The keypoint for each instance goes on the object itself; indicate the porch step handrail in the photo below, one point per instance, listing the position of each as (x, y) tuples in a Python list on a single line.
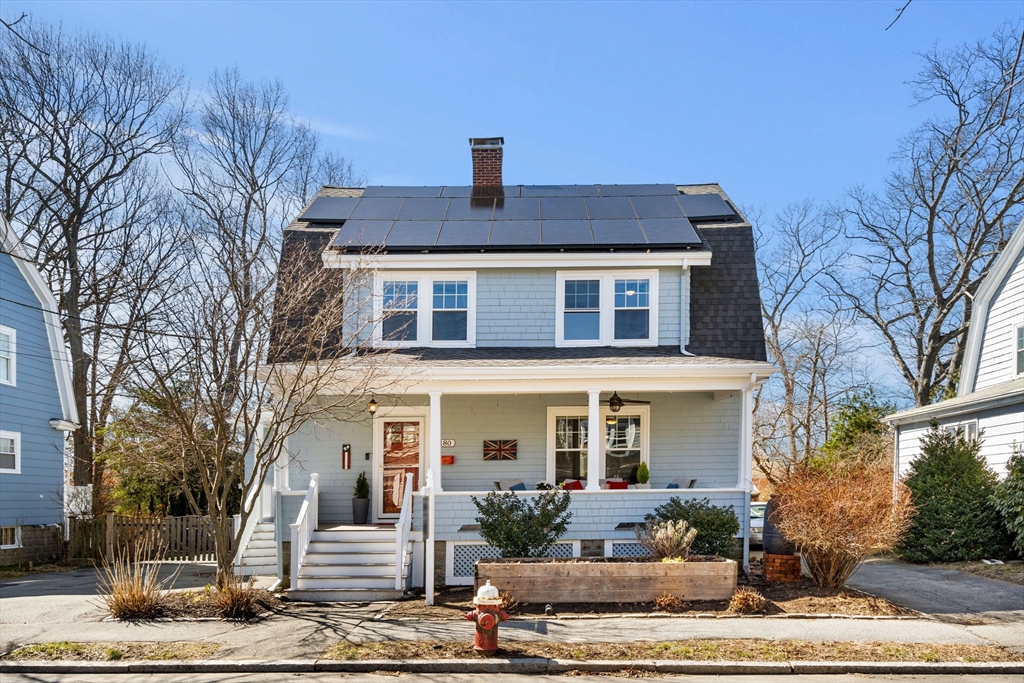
[(304, 526), (254, 501), (402, 530)]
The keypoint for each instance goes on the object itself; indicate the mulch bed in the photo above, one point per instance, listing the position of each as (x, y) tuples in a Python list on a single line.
[(113, 652), (694, 650), (198, 604)]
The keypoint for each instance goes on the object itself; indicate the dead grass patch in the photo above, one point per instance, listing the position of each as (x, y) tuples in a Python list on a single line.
[(203, 603), (1012, 573), (112, 652), (752, 650)]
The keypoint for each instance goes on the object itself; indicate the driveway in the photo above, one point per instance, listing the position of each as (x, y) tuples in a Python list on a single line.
[(945, 594)]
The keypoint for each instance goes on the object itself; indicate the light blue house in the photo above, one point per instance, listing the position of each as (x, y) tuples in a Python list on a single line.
[(523, 319), (37, 410)]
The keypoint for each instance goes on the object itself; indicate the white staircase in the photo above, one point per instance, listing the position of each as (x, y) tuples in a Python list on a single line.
[(351, 563), (260, 554)]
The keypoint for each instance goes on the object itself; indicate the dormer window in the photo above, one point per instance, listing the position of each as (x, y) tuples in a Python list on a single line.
[(616, 308), (421, 309)]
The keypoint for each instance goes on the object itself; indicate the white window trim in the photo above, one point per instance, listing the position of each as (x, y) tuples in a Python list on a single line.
[(1013, 345), (581, 411), (424, 308), (12, 333), (17, 539), (17, 451), (607, 324), (967, 426)]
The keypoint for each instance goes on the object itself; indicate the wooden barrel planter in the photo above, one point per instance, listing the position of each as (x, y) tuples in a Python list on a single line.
[(568, 580)]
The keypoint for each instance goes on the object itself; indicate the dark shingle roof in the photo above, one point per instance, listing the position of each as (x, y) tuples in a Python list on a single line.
[(725, 300)]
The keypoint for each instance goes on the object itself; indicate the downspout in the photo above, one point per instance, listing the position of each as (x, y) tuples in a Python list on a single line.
[(684, 307)]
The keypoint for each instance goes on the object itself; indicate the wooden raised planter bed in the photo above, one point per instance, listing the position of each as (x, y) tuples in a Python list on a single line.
[(537, 580)]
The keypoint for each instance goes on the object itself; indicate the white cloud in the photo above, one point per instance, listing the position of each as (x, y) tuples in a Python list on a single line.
[(340, 130)]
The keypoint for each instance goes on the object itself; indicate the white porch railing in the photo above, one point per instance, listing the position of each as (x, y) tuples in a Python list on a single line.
[(402, 529), (256, 500), (305, 525)]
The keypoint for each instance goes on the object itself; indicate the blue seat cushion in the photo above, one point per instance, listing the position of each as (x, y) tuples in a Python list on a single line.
[(517, 487), (673, 485)]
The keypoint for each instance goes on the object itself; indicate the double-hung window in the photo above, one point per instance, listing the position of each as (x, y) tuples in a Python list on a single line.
[(8, 359), (607, 308), (570, 447), (426, 309), (625, 444), (623, 447), (10, 453)]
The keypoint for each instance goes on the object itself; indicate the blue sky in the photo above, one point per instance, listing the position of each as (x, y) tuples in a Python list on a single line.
[(776, 101)]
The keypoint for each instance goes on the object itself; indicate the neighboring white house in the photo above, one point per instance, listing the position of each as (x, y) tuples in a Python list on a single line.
[(526, 318), (990, 398)]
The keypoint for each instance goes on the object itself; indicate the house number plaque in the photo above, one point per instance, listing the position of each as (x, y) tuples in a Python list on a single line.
[(447, 443)]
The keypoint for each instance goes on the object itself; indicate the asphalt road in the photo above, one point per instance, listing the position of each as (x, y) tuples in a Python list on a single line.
[(467, 678)]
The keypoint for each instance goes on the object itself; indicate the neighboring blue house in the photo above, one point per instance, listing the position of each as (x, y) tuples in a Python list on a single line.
[(37, 410), (989, 403), (525, 319)]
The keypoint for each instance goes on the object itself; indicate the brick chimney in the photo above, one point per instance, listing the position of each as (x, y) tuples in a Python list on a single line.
[(487, 153)]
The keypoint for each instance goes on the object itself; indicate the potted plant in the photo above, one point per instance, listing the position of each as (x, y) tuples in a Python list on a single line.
[(361, 502), (643, 476)]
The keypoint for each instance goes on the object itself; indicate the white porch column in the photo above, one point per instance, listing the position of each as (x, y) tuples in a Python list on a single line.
[(434, 448), (746, 463), (595, 439)]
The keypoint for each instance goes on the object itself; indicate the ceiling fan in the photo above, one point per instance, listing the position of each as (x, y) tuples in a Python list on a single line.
[(616, 402)]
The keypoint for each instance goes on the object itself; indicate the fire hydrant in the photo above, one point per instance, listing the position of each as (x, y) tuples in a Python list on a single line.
[(487, 615)]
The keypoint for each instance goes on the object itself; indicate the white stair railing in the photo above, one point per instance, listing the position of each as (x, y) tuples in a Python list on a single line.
[(402, 530), (254, 501), (304, 526)]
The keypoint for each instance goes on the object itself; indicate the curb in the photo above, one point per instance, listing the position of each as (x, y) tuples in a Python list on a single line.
[(511, 666)]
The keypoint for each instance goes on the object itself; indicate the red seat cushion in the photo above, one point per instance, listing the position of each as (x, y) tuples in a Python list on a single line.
[(617, 484), (572, 485)]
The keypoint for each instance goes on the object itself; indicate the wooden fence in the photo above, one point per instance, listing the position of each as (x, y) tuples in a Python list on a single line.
[(172, 538)]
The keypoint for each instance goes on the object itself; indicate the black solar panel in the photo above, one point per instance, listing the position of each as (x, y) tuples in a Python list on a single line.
[(559, 191), (705, 207), (637, 190), (413, 234), (401, 191), (669, 231), (464, 233), (515, 233), (421, 209), (657, 207), (610, 207), (466, 209), (568, 233), (378, 209), (517, 209), (563, 208), (467, 191), (329, 209), (362, 233), (618, 232)]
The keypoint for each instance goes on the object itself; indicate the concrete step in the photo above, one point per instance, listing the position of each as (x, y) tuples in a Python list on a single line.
[(262, 544), (346, 582), (343, 595)]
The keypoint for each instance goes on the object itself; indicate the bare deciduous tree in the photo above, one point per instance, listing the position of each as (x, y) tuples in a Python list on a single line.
[(923, 245), (82, 120), (224, 404), (809, 341)]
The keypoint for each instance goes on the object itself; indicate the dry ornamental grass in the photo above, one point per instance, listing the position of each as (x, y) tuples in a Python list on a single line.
[(746, 600), (112, 652)]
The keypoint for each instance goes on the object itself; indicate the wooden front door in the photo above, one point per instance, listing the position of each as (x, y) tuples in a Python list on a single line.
[(400, 455)]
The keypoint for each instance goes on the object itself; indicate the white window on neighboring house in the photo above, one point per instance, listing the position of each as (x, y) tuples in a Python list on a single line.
[(968, 429), (617, 308), (10, 453), (426, 309), (1019, 351), (8, 355), (10, 537)]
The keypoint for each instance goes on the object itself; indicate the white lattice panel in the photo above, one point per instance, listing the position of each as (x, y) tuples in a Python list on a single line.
[(628, 549), (465, 555)]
